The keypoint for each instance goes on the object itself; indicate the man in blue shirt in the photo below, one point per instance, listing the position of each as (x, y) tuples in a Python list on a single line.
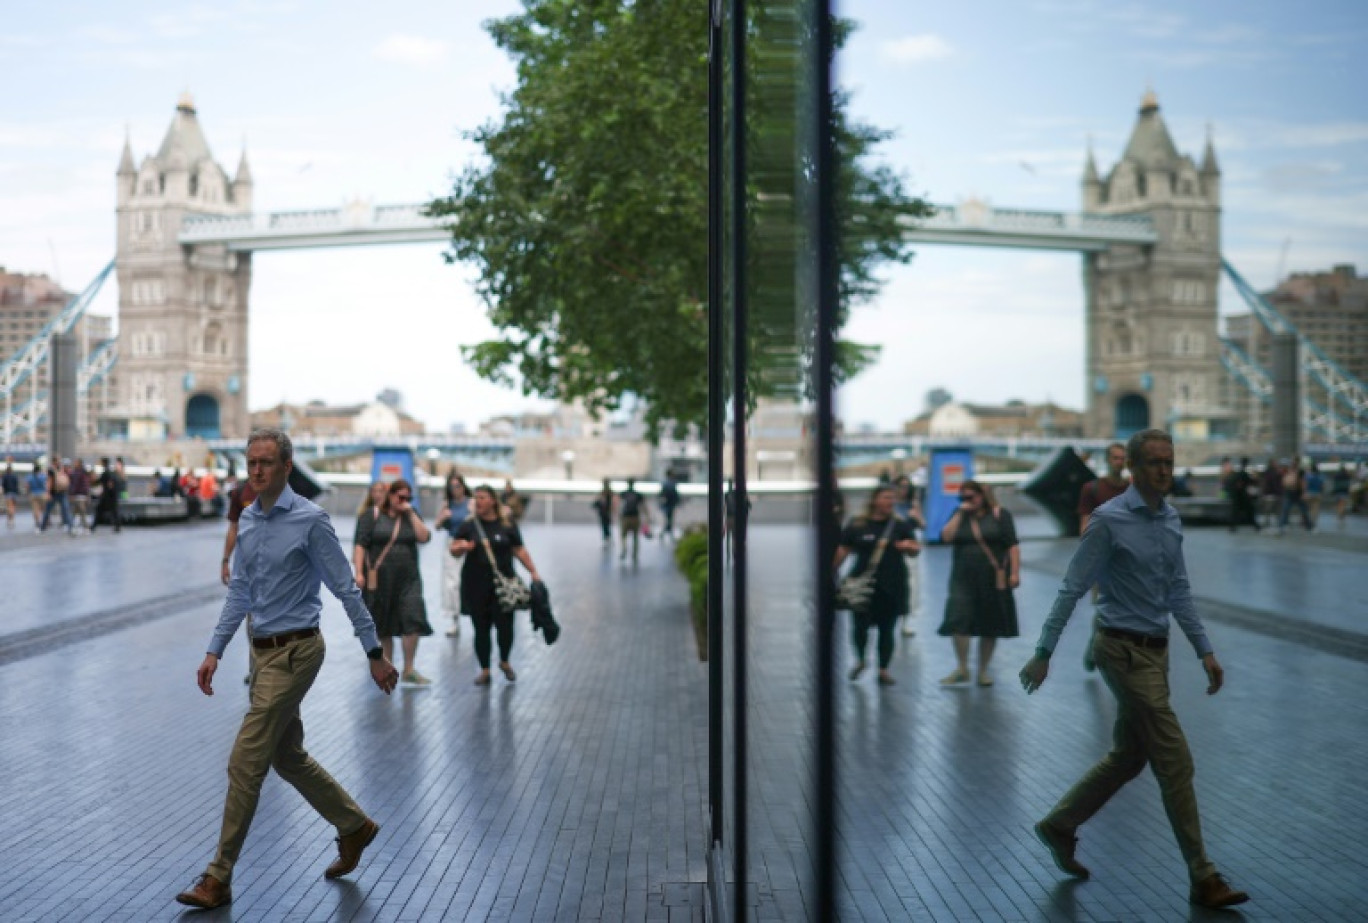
[(1133, 550), (285, 547)]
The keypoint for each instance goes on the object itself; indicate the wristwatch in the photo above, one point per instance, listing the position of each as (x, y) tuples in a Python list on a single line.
[(376, 652)]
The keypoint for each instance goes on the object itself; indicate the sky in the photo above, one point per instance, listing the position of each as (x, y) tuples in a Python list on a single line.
[(996, 99)]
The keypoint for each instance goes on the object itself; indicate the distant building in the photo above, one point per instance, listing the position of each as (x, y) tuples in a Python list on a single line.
[(319, 420), (1013, 419), (27, 303), (1329, 308)]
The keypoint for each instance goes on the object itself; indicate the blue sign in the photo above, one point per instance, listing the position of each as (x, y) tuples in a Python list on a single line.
[(188, 382), (1146, 381), (1100, 384), (950, 468), (390, 465), (234, 384)]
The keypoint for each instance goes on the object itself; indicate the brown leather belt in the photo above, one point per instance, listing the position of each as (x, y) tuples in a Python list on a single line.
[(1137, 639), (283, 639)]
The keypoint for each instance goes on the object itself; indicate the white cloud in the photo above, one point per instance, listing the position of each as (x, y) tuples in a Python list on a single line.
[(917, 49), (412, 49)]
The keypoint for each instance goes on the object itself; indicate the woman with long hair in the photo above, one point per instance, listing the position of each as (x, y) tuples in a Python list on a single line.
[(387, 543), (489, 534), (603, 506), (985, 568), (455, 511), (879, 539)]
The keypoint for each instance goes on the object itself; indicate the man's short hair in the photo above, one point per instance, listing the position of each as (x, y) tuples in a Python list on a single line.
[(1116, 445), (278, 436), (1136, 444)]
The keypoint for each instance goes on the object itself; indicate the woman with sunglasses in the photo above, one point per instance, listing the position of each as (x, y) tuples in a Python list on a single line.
[(880, 533), (455, 512), (491, 524), (985, 568), (387, 542)]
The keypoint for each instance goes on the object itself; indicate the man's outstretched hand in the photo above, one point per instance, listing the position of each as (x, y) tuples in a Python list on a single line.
[(1034, 673)]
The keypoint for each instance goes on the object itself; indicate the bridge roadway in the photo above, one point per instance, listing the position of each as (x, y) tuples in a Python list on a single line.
[(578, 793)]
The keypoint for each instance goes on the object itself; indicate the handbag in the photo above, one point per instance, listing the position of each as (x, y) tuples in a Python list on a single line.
[(373, 568), (857, 591), (512, 594), (998, 569)]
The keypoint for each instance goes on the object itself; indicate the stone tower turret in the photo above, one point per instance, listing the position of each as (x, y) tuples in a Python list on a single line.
[(182, 311), (1152, 349)]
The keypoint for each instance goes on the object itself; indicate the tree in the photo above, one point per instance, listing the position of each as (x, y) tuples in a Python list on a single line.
[(937, 398), (587, 219)]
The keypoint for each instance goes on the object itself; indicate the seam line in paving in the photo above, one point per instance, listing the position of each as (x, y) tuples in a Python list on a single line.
[(33, 641)]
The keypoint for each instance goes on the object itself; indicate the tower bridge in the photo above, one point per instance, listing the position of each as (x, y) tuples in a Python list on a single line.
[(1148, 235)]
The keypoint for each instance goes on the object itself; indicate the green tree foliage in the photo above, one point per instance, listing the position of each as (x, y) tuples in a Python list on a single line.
[(587, 218)]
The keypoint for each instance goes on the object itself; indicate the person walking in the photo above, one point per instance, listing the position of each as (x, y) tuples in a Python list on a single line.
[(80, 496), (669, 502), (37, 484), (985, 568), (385, 554), (1315, 491), (107, 504), (59, 488), (604, 504), (1240, 486), (286, 545), (1134, 549), (1092, 495), (1294, 494), (1340, 483), (879, 539), (9, 486), (489, 540), (514, 502), (455, 511), (907, 506), (633, 515), (1270, 492)]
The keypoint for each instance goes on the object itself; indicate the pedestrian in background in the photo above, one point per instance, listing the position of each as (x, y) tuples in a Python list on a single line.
[(907, 506), (1294, 494), (59, 487), (1241, 488), (1270, 492), (287, 545), (1340, 482), (1134, 549), (514, 502), (985, 568), (387, 546), (1315, 491), (603, 506), (489, 540), (633, 516), (9, 485), (454, 511), (80, 496), (1092, 495), (37, 484), (879, 539), (107, 506), (669, 502)]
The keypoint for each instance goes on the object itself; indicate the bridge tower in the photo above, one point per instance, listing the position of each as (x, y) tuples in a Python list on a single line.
[(1152, 353), (182, 310)]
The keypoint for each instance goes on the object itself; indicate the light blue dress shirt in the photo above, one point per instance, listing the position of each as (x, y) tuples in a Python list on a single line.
[(280, 559), (1135, 557)]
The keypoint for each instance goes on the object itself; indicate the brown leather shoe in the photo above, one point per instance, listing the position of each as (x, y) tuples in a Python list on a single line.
[(1061, 845), (349, 849), (207, 893), (1215, 892)]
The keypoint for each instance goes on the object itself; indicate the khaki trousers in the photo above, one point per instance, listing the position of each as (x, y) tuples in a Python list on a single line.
[(1146, 732), (272, 737)]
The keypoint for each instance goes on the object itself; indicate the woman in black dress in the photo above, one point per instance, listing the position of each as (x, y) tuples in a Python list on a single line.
[(388, 543), (985, 569), (862, 536), (478, 599)]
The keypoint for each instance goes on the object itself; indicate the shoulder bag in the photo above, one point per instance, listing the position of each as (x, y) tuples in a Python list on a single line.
[(373, 567), (857, 591), (511, 592), (998, 569)]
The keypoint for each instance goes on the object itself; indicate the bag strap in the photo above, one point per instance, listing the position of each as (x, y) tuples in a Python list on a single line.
[(978, 537), (493, 565), (393, 535), (879, 548)]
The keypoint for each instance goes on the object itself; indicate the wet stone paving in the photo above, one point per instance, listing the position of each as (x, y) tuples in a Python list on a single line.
[(580, 791)]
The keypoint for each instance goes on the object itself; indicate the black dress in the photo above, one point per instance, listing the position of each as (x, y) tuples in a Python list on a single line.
[(478, 599), (976, 607), (396, 603), (890, 597)]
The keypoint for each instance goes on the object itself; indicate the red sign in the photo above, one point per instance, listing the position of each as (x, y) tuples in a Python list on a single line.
[(952, 477)]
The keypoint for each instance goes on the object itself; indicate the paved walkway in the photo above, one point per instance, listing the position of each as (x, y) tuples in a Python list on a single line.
[(578, 793)]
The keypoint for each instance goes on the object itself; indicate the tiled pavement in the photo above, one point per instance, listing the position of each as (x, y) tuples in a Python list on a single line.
[(578, 792)]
